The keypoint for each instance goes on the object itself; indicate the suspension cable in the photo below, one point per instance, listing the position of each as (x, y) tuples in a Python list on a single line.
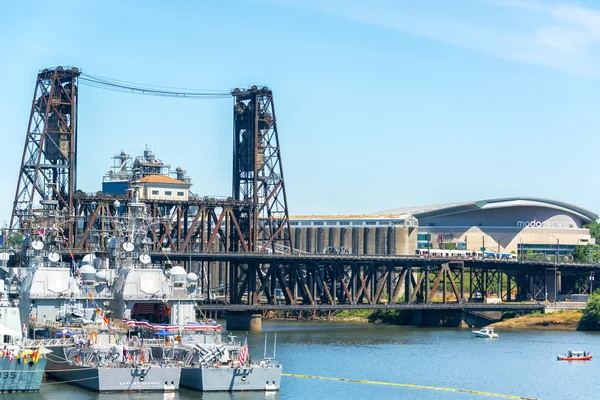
[(150, 90)]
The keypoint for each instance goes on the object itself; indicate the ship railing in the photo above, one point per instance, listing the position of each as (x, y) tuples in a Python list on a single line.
[(169, 296), (152, 342), (48, 343)]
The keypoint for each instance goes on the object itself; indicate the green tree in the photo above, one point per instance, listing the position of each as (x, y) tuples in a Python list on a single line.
[(591, 314), (594, 228), (450, 246), (582, 253), (529, 254), (15, 240)]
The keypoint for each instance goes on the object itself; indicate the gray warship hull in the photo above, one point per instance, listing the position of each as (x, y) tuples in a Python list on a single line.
[(104, 379), (18, 376), (229, 379)]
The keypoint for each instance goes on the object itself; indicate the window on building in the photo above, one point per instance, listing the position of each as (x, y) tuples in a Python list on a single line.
[(318, 223), (293, 223), (384, 223), (168, 193), (332, 223), (371, 222), (155, 192), (344, 222), (305, 223), (180, 193)]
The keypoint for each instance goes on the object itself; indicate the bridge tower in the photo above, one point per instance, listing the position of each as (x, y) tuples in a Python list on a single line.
[(258, 171), (49, 164)]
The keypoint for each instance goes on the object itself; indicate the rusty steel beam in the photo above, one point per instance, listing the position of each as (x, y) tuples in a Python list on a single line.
[(47, 176), (257, 168), (181, 226)]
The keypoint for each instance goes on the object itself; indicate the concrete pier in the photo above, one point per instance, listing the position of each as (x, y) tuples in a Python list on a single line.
[(243, 321)]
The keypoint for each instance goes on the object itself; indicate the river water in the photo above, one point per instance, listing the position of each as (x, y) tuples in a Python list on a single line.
[(521, 363)]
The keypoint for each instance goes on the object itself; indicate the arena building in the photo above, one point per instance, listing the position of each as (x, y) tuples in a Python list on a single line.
[(517, 225)]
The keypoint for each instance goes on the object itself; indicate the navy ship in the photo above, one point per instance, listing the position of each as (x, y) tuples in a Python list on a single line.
[(116, 282), (91, 361), (209, 360), (21, 368), (212, 364)]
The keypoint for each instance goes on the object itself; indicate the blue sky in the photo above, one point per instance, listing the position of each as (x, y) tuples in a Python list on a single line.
[(380, 104)]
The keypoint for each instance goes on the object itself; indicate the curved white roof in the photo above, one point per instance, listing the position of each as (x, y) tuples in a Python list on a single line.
[(456, 208)]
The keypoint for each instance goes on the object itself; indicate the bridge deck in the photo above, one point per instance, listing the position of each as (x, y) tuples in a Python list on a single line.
[(267, 258), (366, 258), (401, 306)]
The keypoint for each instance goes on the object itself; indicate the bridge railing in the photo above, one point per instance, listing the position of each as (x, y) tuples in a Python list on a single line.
[(366, 257)]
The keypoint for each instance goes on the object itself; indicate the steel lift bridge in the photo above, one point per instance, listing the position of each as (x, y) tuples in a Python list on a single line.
[(247, 234)]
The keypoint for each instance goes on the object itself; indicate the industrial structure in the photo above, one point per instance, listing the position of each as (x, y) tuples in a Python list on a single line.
[(358, 234)]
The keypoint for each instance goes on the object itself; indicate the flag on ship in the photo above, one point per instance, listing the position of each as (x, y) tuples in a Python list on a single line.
[(243, 357)]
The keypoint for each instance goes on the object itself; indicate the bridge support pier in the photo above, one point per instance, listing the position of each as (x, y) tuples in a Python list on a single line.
[(243, 321), (554, 283)]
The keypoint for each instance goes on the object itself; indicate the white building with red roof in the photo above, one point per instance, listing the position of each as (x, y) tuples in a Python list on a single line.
[(163, 187)]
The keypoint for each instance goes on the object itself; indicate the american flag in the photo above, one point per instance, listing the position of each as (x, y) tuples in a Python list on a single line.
[(243, 357)]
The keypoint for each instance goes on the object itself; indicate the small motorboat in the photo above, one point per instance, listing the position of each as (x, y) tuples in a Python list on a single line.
[(575, 355), (486, 332)]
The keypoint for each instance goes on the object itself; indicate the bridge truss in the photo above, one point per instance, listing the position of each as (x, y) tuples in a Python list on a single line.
[(368, 282)]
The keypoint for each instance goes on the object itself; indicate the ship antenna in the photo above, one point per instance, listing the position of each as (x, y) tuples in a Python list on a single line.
[(275, 345), (265, 352)]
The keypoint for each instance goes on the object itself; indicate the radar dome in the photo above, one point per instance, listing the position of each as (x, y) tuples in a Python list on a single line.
[(88, 259), (192, 278), (178, 274), (101, 276), (88, 273)]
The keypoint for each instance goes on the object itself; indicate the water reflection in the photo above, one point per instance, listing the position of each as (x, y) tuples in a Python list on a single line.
[(518, 363)]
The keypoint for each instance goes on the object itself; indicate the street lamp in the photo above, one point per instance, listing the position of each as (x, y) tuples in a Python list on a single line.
[(556, 266)]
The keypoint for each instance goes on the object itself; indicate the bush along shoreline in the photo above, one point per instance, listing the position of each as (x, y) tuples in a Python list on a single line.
[(587, 319)]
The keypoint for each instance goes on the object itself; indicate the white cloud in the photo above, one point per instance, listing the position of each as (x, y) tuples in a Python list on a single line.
[(555, 34)]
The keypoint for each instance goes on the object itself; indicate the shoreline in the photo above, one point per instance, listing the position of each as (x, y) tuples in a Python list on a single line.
[(562, 320), (559, 321)]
